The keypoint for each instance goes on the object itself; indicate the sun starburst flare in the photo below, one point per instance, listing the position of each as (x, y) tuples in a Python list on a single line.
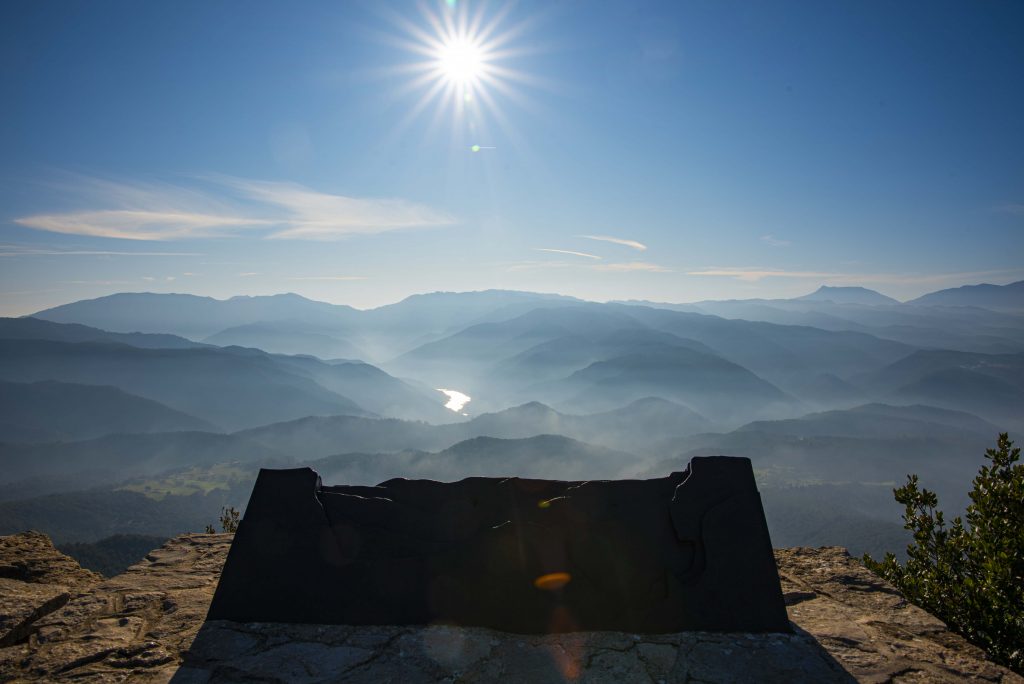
[(461, 68)]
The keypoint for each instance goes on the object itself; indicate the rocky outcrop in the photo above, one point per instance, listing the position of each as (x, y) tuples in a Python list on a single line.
[(869, 628), (146, 625), (133, 627), (35, 579), (32, 558)]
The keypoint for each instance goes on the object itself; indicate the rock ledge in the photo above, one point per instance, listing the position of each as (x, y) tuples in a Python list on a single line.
[(147, 625)]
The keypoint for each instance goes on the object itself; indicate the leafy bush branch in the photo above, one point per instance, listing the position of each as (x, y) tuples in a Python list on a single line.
[(970, 575), (228, 521)]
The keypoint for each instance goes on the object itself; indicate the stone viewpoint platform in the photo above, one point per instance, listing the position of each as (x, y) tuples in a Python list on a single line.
[(59, 622)]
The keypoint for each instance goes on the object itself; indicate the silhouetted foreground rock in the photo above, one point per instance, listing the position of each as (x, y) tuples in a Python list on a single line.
[(144, 626), (685, 552)]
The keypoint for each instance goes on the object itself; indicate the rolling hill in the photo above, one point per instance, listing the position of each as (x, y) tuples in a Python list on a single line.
[(710, 384), (31, 469), (39, 329), (287, 337), (542, 456), (57, 411), (191, 316), (231, 388), (985, 296)]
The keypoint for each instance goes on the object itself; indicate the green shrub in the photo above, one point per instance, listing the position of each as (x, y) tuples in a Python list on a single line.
[(970, 575), (228, 521)]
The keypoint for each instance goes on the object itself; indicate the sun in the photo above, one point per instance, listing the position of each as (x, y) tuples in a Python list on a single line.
[(463, 55), (461, 62), (463, 75)]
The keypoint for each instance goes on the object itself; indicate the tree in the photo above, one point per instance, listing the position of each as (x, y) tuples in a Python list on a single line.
[(970, 575)]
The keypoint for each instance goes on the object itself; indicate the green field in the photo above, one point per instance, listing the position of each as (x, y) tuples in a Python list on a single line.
[(195, 480)]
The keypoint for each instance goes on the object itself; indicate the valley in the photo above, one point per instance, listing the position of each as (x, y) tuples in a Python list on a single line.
[(146, 414)]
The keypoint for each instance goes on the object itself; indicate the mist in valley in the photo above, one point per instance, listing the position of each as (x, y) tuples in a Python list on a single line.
[(135, 414)]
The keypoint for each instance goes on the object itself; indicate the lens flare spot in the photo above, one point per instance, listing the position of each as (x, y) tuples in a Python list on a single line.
[(475, 148), (552, 581)]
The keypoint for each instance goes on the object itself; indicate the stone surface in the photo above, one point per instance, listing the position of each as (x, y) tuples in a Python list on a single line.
[(32, 557), (876, 634), (689, 551), (144, 626), (133, 627), (35, 580), (22, 604)]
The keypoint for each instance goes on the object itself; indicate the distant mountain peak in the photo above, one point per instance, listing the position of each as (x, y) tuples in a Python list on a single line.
[(985, 295), (847, 295)]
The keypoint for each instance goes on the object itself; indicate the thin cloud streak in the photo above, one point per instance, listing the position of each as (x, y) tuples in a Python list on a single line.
[(332, 278), (96, 282), (531, 265), (13, 251), (28, 292), (622, 267), (138, 224), (567, 251), (632, 244), (632, 266), (774, 241), (756, 274), (229, 207), (313, 215)]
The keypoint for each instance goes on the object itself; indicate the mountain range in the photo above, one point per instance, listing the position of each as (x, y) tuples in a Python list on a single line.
[(168, 404)]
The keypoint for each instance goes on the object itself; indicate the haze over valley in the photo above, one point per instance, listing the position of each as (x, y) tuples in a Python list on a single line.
[(138, 414)]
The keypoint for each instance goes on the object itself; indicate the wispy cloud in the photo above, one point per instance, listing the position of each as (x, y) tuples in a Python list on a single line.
[(28, 292), (224, 206), (533, 265), (754, 274), (248, 274), (619, 267), (632, 244), (20, 250), (138, 224), (1011, 208), (312, 215), (329, 277), (632, 266), (566, 251), (96, 282), (934, 279), (774, 241)]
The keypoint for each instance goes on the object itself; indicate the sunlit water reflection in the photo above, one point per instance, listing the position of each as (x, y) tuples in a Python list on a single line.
[(456, 399)]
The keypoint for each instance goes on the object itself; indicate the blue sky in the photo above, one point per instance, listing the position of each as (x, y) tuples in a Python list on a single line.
[(728, 149)]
